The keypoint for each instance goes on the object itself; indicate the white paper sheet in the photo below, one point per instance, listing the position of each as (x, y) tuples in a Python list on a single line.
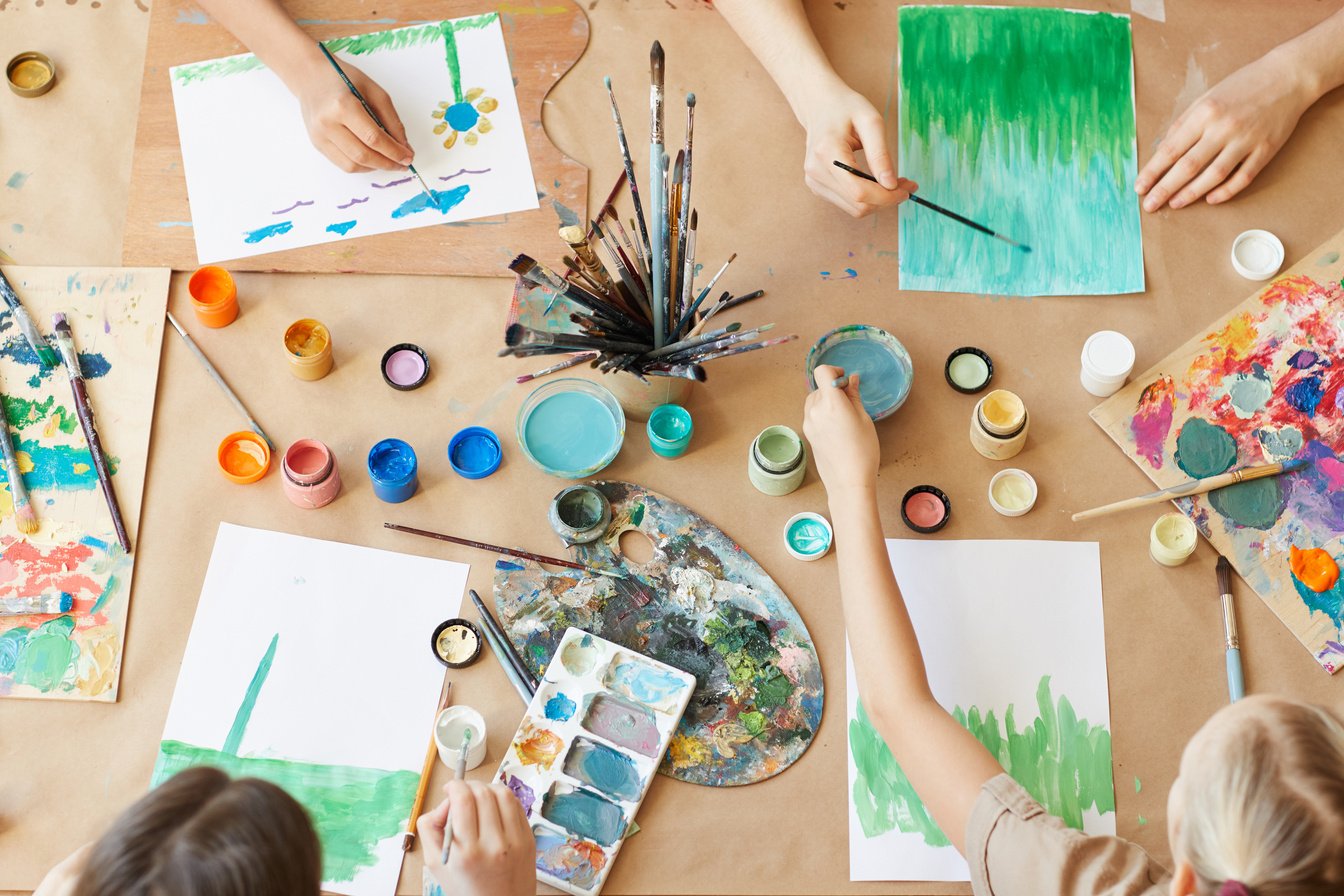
[(993, 618), (352, 683), (256, 183)]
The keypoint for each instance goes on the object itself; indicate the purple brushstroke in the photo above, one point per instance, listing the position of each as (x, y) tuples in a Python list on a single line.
[(466, 171), (299, 204), (393, 183), (354, 202)]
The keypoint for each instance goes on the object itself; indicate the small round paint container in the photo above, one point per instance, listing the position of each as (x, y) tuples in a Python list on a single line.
[(1107, 361), (926, 509), (311, 479), (571, 428), (244, 457), (474, 452), (884, 366), (1012, 492), (405, 366), (808, 536), (669, 430), (456, 643), (392, 470), (968, 370), (214, 296), (1173, 539), (450, 726), (308, 348), (777, 461), (31, 74), (1257, 254), (580, 514), (999, 425)]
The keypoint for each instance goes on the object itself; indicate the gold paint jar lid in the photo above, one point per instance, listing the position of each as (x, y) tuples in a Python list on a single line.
[(31, 74)]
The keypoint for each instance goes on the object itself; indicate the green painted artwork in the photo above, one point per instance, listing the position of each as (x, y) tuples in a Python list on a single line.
[(352, 808), (1063, 761)]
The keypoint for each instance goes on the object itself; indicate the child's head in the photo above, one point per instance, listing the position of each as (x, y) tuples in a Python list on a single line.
[(201, 834), (1260, 801)]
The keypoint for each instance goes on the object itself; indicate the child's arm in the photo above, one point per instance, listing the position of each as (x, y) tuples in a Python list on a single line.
[(839, 121), (1221, 143), (337, 124), (944, 762)]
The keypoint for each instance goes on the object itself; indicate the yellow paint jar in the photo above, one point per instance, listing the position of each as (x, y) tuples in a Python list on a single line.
[(308, 348), (31, 74), (1173, 539), (999, 425)]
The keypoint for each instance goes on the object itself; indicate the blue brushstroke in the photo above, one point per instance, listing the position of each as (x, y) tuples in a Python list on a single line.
[(1330, 602), (17, 179), (444, 201), (1305, 394), (586, 814), (461, 116), (17, 349), (342, 228), (18, 228), (270, 230), (560, 708), (54, 467), (604, 769), (174, 223), (656, 688)]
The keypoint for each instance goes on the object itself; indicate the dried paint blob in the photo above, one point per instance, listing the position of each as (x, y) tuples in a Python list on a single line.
[(925, 509), (456, 643), (526, 796), (405, 366), (623, 723), (560, 708), (968, 370), (584, 813), (579, 656), (1257, 504), (1203, 449), (1314, 568), (570, 859), (604, 769)]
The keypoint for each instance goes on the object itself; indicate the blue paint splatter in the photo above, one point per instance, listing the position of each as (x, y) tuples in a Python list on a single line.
[(461, 116), (560, 708), (1305, 394), (16, 180), (444, 201), (93, 364), (18, 228), (174, 223), (342, 228), (268, 231), (850, 274), (61, 467), (192, 17)]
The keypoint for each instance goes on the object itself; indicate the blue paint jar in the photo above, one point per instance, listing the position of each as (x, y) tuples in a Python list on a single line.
[(670, 430), (392, 469)]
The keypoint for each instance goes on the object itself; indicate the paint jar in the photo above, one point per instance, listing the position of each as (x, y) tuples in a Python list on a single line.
[(450, 726), (244, 457), (1173, 539), (638, 399), (456, 643), (580, 514), (571, 428), (968, 370), (308, 348), (1012, 492), (1257, 254), (405, 366), (311, 479), (999, 425), (392, 470), (669, 430), (885, 370), (474, 452), (777, 461), (808, 536), (214, 296), (926, 509), (1108, 360), (31, 74)]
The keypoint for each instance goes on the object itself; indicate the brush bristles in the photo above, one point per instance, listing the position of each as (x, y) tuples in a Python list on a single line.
[(26, 519), (1224, 576)]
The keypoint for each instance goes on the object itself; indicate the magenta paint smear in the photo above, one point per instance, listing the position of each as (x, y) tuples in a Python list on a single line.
[(1152, 422), (622, 723)]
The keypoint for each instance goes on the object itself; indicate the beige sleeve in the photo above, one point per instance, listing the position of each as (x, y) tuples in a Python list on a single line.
[(1016, 848)]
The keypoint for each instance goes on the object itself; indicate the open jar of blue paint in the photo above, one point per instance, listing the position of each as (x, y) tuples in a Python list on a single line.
[(670, 430), (393, 470), (571, 428)]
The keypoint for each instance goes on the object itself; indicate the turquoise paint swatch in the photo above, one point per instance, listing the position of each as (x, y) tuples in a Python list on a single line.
[(1021, 119), (570, 431)]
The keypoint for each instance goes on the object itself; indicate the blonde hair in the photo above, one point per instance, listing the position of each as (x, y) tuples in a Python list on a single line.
[(1265, 805)]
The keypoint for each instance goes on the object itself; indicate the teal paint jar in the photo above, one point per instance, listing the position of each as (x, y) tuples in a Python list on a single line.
[(670, 429)]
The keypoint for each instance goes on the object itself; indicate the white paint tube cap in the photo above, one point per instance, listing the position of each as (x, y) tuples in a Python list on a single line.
[(1257, 254)]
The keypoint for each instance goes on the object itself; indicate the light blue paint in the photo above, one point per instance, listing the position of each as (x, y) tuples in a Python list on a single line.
[(461, 116), (270, 230), (192, 17), (60, 467), (586, 814), (174, 223), (883, 382), (654, 687), (560, 708), (17, 228), (17, 180), (342, 228), (604, 769), (569, 432), (444, 201)]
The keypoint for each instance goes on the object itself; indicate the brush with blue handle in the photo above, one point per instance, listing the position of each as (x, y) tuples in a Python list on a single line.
[(1236, 686)]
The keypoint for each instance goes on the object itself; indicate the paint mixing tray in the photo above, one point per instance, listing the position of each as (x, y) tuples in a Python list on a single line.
[(586, 752)]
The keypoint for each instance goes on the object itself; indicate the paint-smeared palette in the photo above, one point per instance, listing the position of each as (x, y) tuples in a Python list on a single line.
[(586, 752), (702, 605)]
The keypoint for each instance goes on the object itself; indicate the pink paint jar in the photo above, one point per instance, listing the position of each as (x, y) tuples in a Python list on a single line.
[(310, 479)]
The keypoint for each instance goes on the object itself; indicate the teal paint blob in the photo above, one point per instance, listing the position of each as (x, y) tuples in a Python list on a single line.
[(604, 769), (884, 382), (17, 180), (1330, 602), (61, 467), (1204, 450), (342, 228), (444, 201), (571, 434), (585, 813), (1280, 444), (560, 708), (270, 230), (461, 116), (1255, 505), (807, 536)]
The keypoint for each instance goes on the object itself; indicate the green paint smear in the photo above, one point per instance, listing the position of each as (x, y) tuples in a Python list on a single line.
[(1203, 449), (1064, 763), (21, 413), (1256, 504), (39, 657), (1138, 785), (352, 808), (355, 45), (450, 58)]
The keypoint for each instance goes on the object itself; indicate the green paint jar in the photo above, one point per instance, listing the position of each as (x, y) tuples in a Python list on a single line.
[(777, 461)]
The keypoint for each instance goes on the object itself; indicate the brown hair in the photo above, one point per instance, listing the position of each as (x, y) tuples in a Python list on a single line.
[(201, 834), (1266, 807)]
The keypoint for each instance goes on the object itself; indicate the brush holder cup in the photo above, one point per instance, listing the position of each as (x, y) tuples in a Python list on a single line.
[(639, 399)]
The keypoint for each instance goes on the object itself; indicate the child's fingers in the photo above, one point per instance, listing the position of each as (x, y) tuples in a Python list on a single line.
[(429, 827), (871, 129), (489, 825), (1181, 173), (394, 147), (1252, 166), (339, 159), (1213, 174), (462, 805), (516, 828), (1175, 144), (852, 390)]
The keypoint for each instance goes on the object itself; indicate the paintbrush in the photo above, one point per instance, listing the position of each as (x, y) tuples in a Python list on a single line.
[(690, 343), (690, 312), (633, 287), (556, 368), (674, 237), (25, 516), (48, 604), (525, 691), (492, 625), (743, 349), (1193, 487), (658, 215), (376, 120), (519, 336), (1236, 684), (611, 197), (408, 839), (41, 347), (683, 211), (219, 380), (574, 237), (576, 270), (631, 251), (458, 775), (717, 343), (629, 166), (688, 268), (678, 371), (508, 552), (538, 274), (939, 209), (734, 301), (65, 344)]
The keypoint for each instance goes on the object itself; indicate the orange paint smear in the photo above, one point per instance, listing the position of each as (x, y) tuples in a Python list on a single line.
[(540, 748), (1314, 568)]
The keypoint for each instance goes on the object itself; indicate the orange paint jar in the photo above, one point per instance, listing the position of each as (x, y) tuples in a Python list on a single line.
[(214, 296), (244, 457), (308, 348)]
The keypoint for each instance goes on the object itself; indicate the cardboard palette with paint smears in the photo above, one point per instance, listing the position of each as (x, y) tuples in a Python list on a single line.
[(586, 752)]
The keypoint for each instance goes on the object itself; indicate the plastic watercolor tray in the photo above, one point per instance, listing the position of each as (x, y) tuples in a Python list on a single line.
[(586, 752)]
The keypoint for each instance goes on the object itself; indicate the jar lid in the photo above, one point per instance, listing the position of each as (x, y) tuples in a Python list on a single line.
[(1257, 254), (1108, 355), (968, 370), (244, 457), (31, 74), (475, 453)]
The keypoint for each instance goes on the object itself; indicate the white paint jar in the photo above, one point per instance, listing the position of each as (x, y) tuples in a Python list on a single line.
[(1108, 360), (1173, 539), (449, 728)]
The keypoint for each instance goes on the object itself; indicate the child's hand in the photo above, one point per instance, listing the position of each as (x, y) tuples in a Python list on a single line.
[(341, 129), (494, 853), (842, 123), (1219, 144), (842, 435)]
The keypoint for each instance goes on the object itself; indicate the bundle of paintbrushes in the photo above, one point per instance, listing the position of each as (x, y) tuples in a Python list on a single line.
[(639, 312)]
